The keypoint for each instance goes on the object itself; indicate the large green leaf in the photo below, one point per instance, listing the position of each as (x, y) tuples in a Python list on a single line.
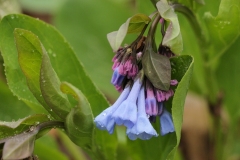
[(134, 24), (64, 62), (164, 147), (30, 59), (223, 29), (172, 37)]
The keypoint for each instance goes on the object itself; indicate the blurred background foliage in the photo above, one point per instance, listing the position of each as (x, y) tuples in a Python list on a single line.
[(85, 23)]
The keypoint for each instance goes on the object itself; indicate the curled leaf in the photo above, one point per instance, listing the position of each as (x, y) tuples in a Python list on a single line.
[(134, 24), (173, 37), (79, 122)]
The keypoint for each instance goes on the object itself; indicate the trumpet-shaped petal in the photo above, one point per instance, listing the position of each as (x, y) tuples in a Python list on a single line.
[(117, 78), (126, 113), (166, 123), (104, 120), (143, 129)]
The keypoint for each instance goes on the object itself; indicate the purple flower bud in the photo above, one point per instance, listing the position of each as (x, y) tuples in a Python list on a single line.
[(160, 95), (133, 71), (117, 78), (151, 103), (122, 69), (169, 94), (143, 129), (115, 64), (174, 82), (166, 123), (126, 113), (103, 120)]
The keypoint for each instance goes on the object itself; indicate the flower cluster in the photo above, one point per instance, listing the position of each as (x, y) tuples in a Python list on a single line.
[(140, 103)]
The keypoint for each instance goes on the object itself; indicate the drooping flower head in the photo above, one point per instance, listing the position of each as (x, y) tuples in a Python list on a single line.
[(140, 102)]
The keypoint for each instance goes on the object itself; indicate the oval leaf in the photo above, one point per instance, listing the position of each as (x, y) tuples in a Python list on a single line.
[(79, 122), (173, 37), (33, 60), (134, 24), (30, 59), (157, 68)]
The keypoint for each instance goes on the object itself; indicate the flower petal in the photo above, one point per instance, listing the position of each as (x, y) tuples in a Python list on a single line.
[(166, 123)]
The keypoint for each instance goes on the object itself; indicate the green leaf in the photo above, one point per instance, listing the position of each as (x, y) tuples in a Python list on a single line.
[(173, 37), (223, 29), (79, 122), (50, 87), (135, 24), (41, 77), (182, 68), (157, 68), (59, 53), (164, 147), (10, 103), (8, 129)]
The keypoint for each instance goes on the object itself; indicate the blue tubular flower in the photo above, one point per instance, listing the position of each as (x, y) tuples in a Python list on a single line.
[(143, 128), (103, 120), (126, 113), (117, 78), (166, 123)]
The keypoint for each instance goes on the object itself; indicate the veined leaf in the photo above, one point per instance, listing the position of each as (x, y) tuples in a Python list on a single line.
[(157, 68), (173, 37), (134, 24), (33, 61)]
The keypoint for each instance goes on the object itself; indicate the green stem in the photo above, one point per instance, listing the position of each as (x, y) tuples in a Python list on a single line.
[(211, 84), (151, 32), (50, 124)]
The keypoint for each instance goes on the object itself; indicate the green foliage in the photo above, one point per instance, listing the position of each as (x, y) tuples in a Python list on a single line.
[(82, 135), (157, 68), (58, 55), (8, 129), (173, 37), (134, 24), (223, 29)]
